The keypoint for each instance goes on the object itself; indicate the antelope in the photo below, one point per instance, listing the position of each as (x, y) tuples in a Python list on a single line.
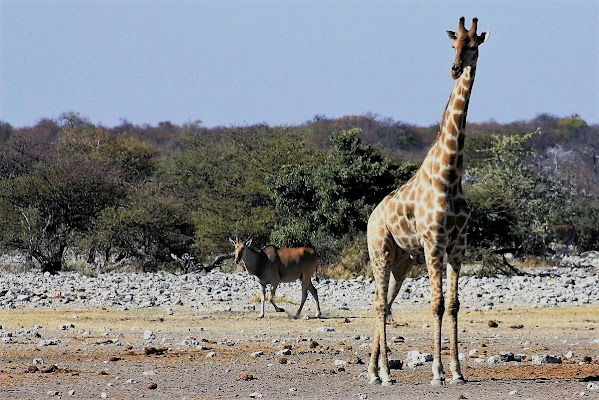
[(273, 265)]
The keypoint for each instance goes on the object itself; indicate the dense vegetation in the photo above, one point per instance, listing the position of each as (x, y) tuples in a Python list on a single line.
[(141, 194)]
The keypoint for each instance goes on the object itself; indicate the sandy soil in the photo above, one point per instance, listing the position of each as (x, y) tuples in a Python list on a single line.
[(111, 353)]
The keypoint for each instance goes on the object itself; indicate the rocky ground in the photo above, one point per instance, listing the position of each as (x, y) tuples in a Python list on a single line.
[(196, 336)]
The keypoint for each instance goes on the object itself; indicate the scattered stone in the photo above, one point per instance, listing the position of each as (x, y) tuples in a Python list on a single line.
[(149, 335), (326, 329), (152, 386), (517, 326), (65, 327), (148, 351), (246, 376), (211, 354), (592, 386), (71, 392), (103, 395), (513, 393), (417, 358), (131, 381), (48, 342), (282, 360), (284, 352), (256, 395), (340, 362), (52, 392), (346, 320), (32, 369), (587, 359), (492, 324), (355, 360), (313, 344), (569, 355), (103, 372), (257, 354), (50, 369), (494, 360), (37, 361), (114, 359), (395, 364), (545, 359)]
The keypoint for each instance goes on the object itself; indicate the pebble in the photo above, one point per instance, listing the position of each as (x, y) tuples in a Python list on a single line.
[(256, 395), (211, 354), (326, 329), (149, 335), (573, 286), (71, 392), (545, 359)]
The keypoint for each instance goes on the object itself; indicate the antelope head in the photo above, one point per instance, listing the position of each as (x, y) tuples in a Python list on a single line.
[(240, 247)]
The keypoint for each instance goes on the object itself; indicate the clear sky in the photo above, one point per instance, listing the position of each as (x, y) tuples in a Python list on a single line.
[(282, 62)]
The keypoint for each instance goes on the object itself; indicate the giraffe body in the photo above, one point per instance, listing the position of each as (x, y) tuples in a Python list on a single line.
[(427, 215)]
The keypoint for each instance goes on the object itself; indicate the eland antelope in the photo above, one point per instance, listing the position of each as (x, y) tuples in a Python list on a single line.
[(273, 265)]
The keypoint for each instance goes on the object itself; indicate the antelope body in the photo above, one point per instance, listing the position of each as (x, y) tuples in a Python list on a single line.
[(272, 265)]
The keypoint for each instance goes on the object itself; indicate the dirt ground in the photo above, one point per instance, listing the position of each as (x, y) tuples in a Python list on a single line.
[(104, 355)]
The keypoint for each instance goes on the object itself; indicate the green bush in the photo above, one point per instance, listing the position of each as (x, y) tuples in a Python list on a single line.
[(585, 218)]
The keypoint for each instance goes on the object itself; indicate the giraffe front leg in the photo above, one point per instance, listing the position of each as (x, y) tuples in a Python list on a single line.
[(434, 261), (453, 303)]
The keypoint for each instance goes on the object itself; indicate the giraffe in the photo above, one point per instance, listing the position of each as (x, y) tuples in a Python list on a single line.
[(428, 214)]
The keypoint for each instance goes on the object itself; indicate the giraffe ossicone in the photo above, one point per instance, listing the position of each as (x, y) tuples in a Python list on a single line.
[(428, 215)]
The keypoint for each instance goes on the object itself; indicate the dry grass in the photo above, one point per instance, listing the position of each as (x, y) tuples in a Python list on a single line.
[(257, 298)]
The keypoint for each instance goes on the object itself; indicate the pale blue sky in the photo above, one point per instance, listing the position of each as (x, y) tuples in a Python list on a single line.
[(282, 62)]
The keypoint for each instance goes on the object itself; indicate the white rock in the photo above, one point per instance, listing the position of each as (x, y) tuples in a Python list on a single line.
[(71, 392), (284, 352), (257, 354), (545, 359), (569, 355), (340, 362), (513, 392), (256, 395), (326, 329), (211, 354), (494, 360), (149, 335), (592, 386), (103, 395)]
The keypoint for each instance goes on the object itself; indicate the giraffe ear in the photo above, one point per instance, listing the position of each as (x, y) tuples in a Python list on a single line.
[(452, 35), (483, 37)]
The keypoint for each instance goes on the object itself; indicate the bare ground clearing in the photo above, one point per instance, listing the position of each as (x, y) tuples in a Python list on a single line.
[(104, 352)]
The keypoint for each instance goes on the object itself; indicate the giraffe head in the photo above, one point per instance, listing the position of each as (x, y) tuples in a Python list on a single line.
[(240, 246), (465, 42)]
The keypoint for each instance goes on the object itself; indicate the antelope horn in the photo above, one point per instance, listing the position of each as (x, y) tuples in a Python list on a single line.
[(461, 26), (472, 30)]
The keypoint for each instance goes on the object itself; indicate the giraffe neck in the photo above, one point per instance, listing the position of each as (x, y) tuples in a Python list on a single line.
[(445, 158)]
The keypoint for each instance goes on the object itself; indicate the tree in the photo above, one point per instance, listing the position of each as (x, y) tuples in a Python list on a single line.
[(224, 179), (320, 204), (148, 227), (51, 205), (512, 204)]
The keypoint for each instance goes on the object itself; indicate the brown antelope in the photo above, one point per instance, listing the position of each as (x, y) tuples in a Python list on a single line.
[(273, 265)]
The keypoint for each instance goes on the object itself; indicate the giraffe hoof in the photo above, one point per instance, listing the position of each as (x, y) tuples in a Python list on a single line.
[(438, 382), (260, 316), (388, 383), (374, 381), (457, 381)]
